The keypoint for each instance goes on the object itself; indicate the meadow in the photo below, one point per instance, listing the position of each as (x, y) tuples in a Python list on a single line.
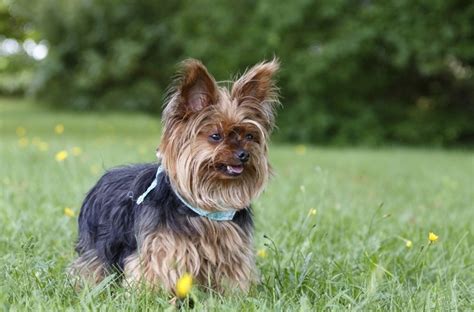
[(336, 229)]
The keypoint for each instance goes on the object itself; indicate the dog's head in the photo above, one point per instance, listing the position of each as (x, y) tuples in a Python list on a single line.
[(215, 140)]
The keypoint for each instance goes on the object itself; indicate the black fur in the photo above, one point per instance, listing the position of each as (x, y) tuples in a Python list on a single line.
[(110, 221)]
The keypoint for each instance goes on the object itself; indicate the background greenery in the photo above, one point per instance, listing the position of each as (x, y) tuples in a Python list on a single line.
[(334, 227), (337, 221), (353, 72)]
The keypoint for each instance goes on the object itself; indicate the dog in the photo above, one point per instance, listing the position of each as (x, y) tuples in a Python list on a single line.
[(190, 212)]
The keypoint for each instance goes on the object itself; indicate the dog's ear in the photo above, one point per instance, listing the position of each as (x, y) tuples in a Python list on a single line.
[(257, 84), (195, 87), (256, 90)]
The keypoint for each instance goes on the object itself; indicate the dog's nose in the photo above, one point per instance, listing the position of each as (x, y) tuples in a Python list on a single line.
[(242, 155)]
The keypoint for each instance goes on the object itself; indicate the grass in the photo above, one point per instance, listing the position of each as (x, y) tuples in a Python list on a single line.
[(331, 229)]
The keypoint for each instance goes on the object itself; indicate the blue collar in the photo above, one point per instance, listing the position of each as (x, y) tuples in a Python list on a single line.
[(214, 216)]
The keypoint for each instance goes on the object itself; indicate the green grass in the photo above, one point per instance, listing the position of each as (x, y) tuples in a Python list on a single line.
[(351, 255)]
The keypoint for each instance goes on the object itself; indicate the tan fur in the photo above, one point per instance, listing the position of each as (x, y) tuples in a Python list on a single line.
[(87, 269), (197, 107), (220, 257), (187, 156)]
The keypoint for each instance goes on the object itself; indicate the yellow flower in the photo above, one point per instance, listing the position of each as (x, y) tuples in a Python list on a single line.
[(43, 146), (300, 149), (76, 151), (23, 142), (409, 243), (262, 253), (20, 131), (61, 155), (95, 169), (432, 237), (184, 284), (312, 212), (68, 212), (59, 128)]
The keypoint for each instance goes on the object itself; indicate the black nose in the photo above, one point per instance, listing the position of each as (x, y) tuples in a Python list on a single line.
[(242, 155)]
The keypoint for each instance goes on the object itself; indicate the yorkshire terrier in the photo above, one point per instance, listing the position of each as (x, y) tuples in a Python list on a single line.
[(189, 213)]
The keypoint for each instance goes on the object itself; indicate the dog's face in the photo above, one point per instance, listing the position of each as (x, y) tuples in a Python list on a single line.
[(215, 140)]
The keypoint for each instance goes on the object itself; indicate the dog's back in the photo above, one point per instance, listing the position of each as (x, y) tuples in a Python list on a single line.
[(105, 222)]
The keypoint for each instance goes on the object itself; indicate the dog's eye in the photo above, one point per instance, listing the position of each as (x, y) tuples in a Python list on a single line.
[(249, 136), (215, 137)]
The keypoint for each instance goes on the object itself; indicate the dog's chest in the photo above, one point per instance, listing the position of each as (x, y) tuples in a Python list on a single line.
[(220, 242), (216, 252), (225, 253)]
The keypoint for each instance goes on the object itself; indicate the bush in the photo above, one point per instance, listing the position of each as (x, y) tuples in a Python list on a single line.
[(16, 74), (353, 71), (16, 68)]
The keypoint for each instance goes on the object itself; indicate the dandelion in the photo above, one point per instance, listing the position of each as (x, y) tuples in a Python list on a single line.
[(184, 284), (61, 155), (76, 151), (262, 253), (59, 129), (300, 149), (432, 237), (43, 146), (94, 169), (68, 212), (408, 243), (23, 142), (40, 145), (312, 212), (20, 131)]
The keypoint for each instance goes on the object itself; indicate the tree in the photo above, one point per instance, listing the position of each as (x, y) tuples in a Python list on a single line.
[(353, 71)]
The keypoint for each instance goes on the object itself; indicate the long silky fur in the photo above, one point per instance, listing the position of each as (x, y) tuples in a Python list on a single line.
[(160, 239), (188, 164), (113, 229)]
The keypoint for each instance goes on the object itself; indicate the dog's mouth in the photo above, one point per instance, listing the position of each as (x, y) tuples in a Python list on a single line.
[(231, 170)]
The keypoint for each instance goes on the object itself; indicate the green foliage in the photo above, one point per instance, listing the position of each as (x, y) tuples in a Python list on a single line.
[(384, 71), (353, 71), (16, 73), (350, 255), (13, 25)]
